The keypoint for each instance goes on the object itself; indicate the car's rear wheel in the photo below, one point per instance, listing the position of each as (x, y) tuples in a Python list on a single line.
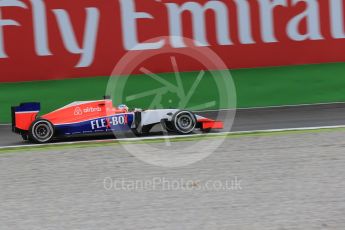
[(184, 122), (41, 131)]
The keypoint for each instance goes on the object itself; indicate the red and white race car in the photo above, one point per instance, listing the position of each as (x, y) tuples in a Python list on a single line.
[(99, 118)]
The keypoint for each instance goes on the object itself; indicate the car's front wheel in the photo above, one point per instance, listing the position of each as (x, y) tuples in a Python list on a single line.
[(41, 131), (184, 122)]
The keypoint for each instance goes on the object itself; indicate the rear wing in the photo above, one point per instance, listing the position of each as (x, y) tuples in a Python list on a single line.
[(23, 116)]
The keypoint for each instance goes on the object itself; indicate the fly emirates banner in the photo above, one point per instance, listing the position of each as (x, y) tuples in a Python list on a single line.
[(49, 39)]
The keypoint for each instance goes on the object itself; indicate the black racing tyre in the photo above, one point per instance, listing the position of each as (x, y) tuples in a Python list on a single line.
[(41, 131), (184, 122)]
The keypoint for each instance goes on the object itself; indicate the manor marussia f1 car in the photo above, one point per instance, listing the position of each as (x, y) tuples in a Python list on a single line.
[(99, 118)]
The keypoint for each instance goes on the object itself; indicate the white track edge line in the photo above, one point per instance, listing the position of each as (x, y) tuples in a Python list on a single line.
[(174, 137)]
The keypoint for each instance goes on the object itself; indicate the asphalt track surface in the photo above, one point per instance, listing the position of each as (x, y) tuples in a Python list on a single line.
[(250, 119), (264, 182), (284, 182)]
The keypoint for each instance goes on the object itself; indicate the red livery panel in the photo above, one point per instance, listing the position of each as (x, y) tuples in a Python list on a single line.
[(25, 119)]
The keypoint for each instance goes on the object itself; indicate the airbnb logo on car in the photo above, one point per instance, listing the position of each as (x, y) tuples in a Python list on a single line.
[(92, 110), (78, 111)]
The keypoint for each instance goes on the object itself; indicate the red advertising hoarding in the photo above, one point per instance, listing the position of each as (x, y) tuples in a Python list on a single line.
[(45, 40)]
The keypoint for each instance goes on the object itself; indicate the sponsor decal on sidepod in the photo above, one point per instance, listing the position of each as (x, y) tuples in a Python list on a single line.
[(109, 122)]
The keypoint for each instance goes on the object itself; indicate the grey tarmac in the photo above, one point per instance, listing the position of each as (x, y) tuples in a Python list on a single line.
[(286, 181)]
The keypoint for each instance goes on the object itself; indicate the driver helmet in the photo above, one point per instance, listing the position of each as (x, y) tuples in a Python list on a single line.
[(122, 107)]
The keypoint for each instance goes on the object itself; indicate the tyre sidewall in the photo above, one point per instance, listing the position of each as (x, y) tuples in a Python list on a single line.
[(34, 138), (175, 124)]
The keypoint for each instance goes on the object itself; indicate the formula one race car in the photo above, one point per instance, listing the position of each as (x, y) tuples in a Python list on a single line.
[(99, 118)]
